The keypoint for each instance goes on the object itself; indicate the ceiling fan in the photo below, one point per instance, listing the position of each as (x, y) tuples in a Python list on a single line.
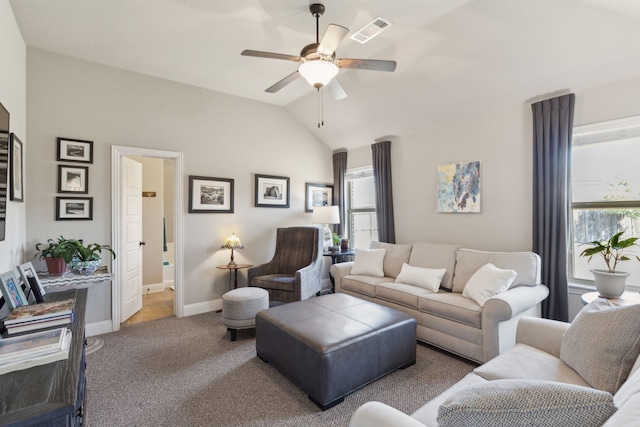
[(318, 62)]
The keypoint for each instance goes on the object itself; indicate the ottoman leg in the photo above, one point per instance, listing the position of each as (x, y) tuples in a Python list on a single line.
[(327, 405), (234, 333)]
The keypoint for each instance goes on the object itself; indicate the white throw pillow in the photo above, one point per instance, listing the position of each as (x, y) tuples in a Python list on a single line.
[(369, 262), (487, 281), (428, 278)]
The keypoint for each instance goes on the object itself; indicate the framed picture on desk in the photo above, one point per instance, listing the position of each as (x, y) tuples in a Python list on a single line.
[(12, 291), (31, 280)]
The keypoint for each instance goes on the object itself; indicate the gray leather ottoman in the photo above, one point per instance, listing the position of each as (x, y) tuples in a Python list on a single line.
[(334, 344)]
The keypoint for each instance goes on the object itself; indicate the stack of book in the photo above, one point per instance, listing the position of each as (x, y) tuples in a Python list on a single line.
[(38, 348), (35, 317)]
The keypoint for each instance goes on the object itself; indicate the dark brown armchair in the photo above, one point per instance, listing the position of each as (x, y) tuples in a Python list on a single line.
[(295, 271)]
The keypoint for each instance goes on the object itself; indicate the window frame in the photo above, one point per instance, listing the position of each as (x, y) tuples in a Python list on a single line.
[(351, 175), (597, 133)]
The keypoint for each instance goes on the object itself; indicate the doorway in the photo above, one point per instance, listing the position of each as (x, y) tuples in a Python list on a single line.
[(128, 290)]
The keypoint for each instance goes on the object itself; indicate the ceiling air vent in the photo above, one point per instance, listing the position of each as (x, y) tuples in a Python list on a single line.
[(371, 30)]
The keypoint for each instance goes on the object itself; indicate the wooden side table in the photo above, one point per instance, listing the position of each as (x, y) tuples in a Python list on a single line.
[(336, 258), (233, 269), (627, 298)]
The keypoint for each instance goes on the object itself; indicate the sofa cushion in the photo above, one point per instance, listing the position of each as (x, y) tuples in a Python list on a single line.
[(468, 261), (401, 293), (395, 255), (487, 281), (452, 306), (602, 343), (368, 262), (526, 403), (525, 362), (365, 285), (427, 278), (432, 255), (627, 399)]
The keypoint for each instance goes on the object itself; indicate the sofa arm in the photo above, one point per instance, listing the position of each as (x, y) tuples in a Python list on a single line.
[(501, 313), (338, 272), (544, 334), (377, 414), (509, 304), (309, 278)]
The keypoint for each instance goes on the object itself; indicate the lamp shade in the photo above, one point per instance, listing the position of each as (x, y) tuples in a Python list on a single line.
[(326, 215), (318, 73), (232, 242)]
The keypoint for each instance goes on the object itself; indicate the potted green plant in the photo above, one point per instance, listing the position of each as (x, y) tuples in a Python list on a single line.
[(610, 283), (85, 259), (80, 258), (54, 253)]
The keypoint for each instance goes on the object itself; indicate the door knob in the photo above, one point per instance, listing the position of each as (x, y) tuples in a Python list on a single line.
[(142, 243)]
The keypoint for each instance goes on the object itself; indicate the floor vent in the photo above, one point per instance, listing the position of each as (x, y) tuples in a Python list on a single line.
[(371, 30)]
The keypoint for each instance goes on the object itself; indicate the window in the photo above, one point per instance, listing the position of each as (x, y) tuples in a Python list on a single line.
[(362, 224), (605, 188)]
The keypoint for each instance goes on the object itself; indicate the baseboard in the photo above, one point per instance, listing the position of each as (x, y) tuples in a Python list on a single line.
[(153, 287), (105, 326), (203, 307), (98, 328)]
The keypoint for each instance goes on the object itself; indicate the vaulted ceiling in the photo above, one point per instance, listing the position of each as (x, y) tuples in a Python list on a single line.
[(456, 58)]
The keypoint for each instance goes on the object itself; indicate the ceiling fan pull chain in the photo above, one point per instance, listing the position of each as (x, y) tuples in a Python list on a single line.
[(318, 108)]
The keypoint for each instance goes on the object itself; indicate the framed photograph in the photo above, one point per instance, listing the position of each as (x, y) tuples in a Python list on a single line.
[(272, 191), (317, 195), (11, 290), (459, 187), (210, 195), (74, 208), (31, 279), (16, 192), (73, 179), (75, 150)]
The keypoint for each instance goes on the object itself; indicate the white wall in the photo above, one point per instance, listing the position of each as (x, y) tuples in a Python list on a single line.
[(13, 97), (502, 141), (220, 136)]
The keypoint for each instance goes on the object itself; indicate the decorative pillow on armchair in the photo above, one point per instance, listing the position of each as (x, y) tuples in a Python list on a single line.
[(524, 403), (602, 343), (368, 262)]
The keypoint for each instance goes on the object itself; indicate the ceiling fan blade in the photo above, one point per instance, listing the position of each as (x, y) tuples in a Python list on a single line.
[(282, 83), (271, 55), (331, 39), (336, 90), (367, 64)]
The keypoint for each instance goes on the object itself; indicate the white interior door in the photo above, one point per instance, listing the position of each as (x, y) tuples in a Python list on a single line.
[(131, 191)]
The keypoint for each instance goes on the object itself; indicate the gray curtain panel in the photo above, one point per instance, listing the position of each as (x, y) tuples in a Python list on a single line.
[(339, 169), (552, 130), (381, 155)]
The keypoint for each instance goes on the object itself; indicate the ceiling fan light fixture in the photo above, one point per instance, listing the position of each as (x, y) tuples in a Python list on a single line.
[(318, 73)]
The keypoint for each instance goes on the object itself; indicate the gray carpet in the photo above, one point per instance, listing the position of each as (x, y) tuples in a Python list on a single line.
[(186, 372)]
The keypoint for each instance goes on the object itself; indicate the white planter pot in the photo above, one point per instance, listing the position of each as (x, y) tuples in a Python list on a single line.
[(608, 284)]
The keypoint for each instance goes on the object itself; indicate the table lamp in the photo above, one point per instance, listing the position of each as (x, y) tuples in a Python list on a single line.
[(232, 242), (326, 215)]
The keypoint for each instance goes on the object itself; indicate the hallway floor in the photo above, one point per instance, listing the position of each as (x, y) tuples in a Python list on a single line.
[(156, 305)]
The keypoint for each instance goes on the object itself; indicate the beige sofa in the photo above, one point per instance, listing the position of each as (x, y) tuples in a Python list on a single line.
[(537, 359), (446, 318)]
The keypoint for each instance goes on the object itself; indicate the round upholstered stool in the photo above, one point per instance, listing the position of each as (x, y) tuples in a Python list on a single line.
[(239, 308)]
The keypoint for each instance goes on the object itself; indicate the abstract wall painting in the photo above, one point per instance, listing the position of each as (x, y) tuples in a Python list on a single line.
[(459, 187)]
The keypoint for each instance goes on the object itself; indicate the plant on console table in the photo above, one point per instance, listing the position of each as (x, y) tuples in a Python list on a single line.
[(85, 259), (610, 283), (53, 252), (80, 258)]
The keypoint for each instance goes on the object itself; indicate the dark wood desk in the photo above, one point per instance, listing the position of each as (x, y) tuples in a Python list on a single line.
[(51, 394), (233, 269)]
